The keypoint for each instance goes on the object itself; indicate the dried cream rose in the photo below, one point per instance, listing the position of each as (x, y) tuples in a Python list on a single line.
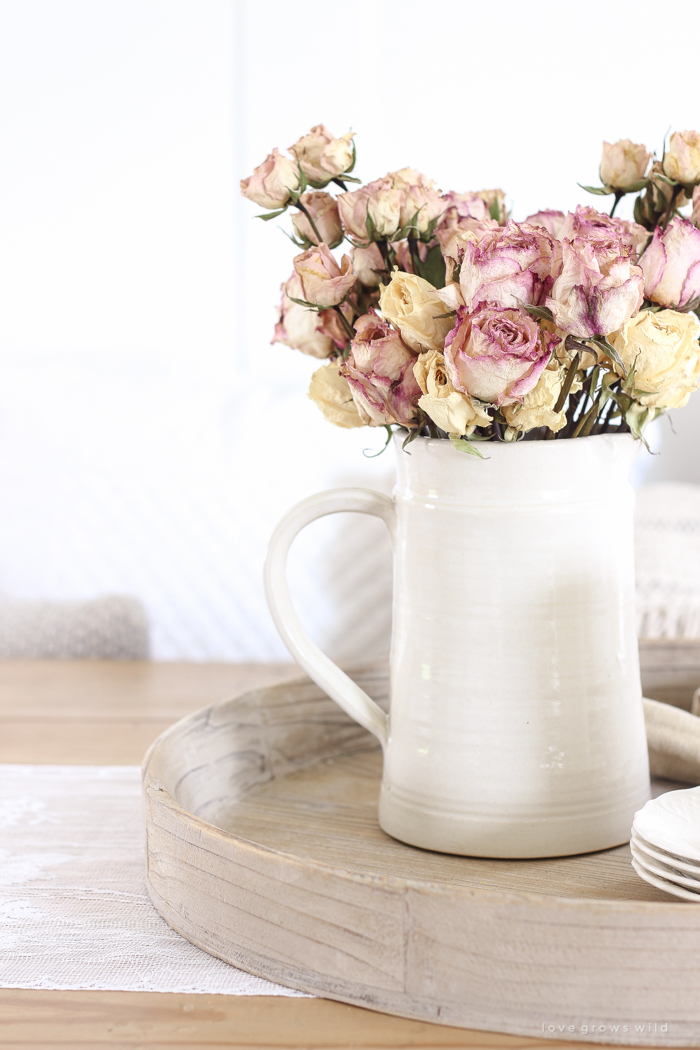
[(452, 411), (414, 307), (321, 156), (537, 409), (664, 349), (332, 394), (682, 157), (623, 164)]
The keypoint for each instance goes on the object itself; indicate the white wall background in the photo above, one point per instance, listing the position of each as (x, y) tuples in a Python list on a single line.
[(150, 436)]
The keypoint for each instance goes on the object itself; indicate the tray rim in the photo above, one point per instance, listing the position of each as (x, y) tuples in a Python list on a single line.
[(494, 895), (507, 974)]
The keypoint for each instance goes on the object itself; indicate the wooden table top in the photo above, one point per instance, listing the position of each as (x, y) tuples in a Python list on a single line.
[(108, 713)]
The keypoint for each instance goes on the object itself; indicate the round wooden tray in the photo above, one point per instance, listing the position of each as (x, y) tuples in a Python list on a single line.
[(263, 849)]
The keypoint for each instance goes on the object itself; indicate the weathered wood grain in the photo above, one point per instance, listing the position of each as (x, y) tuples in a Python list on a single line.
[(264, 849)]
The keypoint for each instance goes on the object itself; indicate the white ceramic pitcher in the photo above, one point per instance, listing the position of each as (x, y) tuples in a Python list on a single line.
[(516, 726)]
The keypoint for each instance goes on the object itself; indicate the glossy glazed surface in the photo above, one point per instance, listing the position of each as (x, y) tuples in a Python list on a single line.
[(516, 726)]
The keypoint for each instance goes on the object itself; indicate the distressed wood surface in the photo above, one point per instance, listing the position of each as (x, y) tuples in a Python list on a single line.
[(264, 849), (65, 1020), (109, 712)]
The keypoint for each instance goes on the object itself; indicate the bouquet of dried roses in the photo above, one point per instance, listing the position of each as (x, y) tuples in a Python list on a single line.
[(449, 319)]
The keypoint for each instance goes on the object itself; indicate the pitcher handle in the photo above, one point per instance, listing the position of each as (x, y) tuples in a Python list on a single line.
[(346, 693)]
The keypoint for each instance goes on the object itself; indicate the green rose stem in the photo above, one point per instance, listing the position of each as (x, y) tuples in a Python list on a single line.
[(384, 252), (585, 424), (668, 214), (619, 194), (305, 212), (568, 381), (346, 324)]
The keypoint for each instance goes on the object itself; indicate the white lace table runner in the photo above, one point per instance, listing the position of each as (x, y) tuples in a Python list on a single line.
[(74, 912)]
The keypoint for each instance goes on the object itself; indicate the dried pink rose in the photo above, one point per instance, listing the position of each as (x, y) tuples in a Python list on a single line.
[(369, 265), (463, 206), (379, 369), (509, 266), (299, 327), (550, 220), (496, 355), (599, 288), (671, 264), (591, 225), (321, 156), (377, 199), (421, 203), (454, 239), (406, 178), (272, 182), (324, 283), (324, 213)]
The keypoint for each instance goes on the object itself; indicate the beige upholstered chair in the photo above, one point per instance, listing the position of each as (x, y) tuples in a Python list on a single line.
[(113, 627)]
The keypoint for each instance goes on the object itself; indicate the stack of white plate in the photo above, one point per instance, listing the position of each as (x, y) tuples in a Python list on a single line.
[(665, 843)]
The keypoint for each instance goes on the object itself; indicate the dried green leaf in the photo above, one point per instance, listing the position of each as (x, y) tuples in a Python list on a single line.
[(610, 352), (540, 313), (599, 191), (303, 302), (272, 214), (462, 445)]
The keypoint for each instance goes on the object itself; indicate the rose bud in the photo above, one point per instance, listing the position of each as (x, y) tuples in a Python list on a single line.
[(405, 178), (369, 265), (509, 266), (413, 305), (463, 206), (421, 203), (324, 213), (682, 157), (299, 327), (331, 324), (272, 182), (379, 369), (495, 355), (598, 290), (671, 264), (332, 394), (454, 239), (377, 199), (550, 220), (321, 156), (453, 411), (324, 283), (663, 348), (624, 164), (590, 225), (495, 201)]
